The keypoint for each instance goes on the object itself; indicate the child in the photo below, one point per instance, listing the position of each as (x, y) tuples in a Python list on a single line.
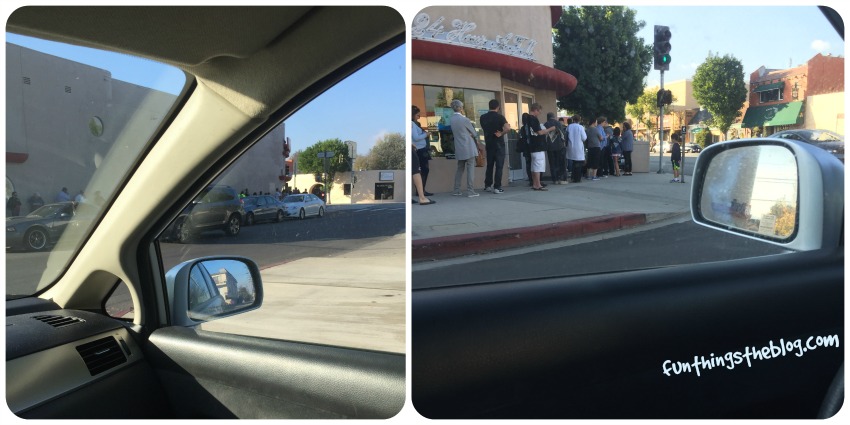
[(676, 158)]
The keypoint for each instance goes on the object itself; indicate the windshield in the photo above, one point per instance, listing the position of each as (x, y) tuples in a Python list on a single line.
[(825, 136), (293, 199), (77, 119), (48, 210)]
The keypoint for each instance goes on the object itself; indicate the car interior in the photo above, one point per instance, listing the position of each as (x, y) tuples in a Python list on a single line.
[(248, 68)]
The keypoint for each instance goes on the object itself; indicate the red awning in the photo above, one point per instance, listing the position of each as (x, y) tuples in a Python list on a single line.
[(510, 67)]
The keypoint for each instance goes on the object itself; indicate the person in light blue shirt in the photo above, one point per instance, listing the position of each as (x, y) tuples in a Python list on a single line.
[(423, 151)]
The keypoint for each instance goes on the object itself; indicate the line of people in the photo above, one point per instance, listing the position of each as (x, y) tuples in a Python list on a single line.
[(573, 151)]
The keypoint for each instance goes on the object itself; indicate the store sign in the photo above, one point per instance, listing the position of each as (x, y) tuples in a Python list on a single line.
[(509, 44)]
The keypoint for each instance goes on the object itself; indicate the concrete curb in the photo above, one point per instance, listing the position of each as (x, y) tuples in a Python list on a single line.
[(476, 243)]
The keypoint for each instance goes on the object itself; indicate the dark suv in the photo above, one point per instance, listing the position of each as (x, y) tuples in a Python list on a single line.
[(216, 208)]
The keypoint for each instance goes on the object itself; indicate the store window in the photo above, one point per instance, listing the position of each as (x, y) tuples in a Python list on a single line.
[(770, 95), (436, 112), (384, 191)]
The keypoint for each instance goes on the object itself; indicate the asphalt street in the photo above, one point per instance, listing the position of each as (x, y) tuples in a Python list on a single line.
[(659, 245)]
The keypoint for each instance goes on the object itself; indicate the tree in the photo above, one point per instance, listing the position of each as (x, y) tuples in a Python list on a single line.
[(599, 46), (719, 87), (389, 153), (645, 110), (309, 161)]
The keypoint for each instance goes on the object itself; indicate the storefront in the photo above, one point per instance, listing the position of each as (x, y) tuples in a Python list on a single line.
[(476, 54)]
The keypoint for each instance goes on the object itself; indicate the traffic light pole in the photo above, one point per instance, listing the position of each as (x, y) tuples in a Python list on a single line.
[(661, 128)]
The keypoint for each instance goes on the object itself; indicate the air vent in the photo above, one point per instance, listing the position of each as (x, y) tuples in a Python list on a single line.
[(59, 321), (101, 355), (27, 80)]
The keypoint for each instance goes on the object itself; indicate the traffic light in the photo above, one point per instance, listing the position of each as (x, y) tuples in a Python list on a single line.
[(664, 97), (668, 97), (661, 48)]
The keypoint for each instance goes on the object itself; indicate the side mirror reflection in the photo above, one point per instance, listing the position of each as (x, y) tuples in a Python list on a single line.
[(752, 189), (219, 287)]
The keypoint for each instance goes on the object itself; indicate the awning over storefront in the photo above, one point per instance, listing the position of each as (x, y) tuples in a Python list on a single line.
[(773, 115), (513, 68), (767, 87)]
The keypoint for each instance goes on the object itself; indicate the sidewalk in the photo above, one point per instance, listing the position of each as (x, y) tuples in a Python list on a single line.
[(458, 225)]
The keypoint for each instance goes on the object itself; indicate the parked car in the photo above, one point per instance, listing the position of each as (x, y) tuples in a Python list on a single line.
[(218, 207), (262, 208), (693, 148), (824, 139), (38, 229), (303, 205)]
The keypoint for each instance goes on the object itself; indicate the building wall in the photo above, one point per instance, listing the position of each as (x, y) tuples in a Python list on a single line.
[(363, 190), (826, 75), (825, 112), (258, 170), (534, 22), (446, 75), (798, 75), (67, 153)]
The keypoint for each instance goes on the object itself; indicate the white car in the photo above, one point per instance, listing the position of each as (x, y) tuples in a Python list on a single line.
[(303, 206)]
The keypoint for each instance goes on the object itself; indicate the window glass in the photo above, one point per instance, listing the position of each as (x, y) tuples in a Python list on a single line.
[(333, 270), (77, 119)]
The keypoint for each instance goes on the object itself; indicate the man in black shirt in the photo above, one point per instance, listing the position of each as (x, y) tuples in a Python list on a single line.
[(494, 126)]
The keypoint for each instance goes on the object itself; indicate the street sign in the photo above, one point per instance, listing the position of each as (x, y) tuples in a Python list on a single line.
[(684, 129), (326, 154)]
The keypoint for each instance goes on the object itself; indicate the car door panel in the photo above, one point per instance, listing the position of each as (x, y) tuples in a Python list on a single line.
[(212, 375), (132, 393), (595, 346)]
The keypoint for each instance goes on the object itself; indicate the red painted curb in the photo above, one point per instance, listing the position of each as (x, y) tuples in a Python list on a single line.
[(496, 240)]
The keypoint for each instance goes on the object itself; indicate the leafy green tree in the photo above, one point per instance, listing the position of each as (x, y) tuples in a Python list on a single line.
[(703, 138), (599, 46), (309, 161), (645, 110), (388, 153), (719, 87)]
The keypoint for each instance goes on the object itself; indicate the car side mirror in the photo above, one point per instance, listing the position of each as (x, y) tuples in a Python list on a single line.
[(784, 192), (209, 288)]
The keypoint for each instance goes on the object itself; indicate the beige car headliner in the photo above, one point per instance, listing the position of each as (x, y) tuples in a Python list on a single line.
[(228, 47)]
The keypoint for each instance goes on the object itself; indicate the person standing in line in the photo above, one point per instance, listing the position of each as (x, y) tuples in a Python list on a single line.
[(423, 151), (594, 148), (557, 150), (417, 178), (526, 151), (13, 205), (35, 201), (676, 158), (494, 125), (575, 150), (538, 145), (616, 150), (628, 143), (604, 151), (63, 195), (466, 149), (81, 197)]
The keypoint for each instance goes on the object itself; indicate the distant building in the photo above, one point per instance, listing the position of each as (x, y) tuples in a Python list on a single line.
[(807, 96)]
